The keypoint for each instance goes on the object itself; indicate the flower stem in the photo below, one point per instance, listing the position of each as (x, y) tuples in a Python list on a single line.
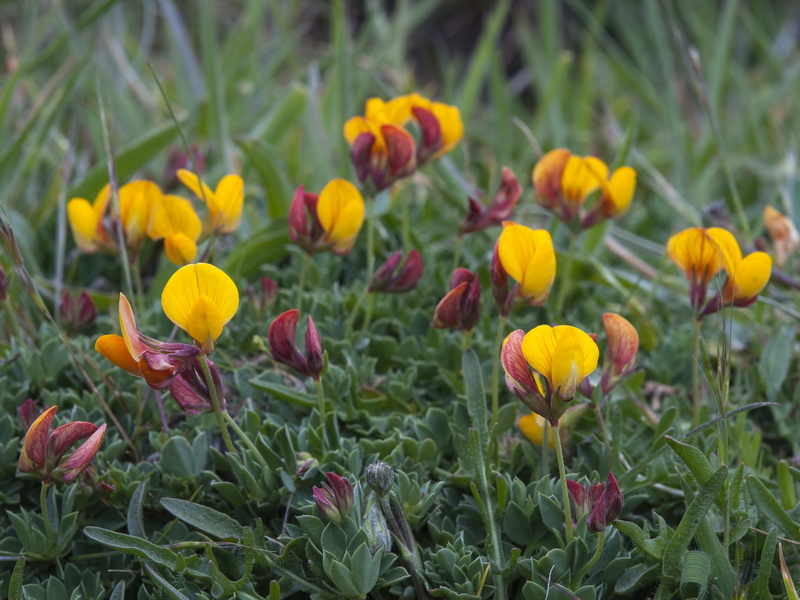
[(467, 339), (301, 281), (46, 513), (215, 403), (245, 438), (322, 413), (406, 224), (563, 476), (351, 318), (696, 375), (370, 237), (601, 540), (498, 340)]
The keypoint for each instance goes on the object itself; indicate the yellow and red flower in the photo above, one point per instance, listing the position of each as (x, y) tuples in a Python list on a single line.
[(224, 204), (330, 220)]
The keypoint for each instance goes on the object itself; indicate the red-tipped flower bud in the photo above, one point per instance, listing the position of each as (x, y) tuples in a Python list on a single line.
[(334, 499), (43, 448), (461, 307), (605, 504), (27, 413), (281, 337), (500, 209), (391, 279), (190, 391), (76, 311), (623, 343)]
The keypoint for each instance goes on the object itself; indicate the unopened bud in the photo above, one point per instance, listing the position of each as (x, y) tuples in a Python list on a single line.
[(377, 528), (606, 504), (461, 307), (380, 477), (623, 343), (27, 413), (281, 337), (76, 311), (334, 499), (390, 278)]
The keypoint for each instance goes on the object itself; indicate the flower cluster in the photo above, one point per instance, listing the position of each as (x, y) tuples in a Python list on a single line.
[(565, 181), (702, 253), (382, 148), (145, 211), (328, 221)]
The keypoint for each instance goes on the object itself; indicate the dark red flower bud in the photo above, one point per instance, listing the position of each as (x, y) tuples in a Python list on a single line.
[(578, 498), (460, 308), (500, 209), (190, 390), (27, 413), (335, 499), (281, 337), (391, 279), (305, 229), (431, 132), (76, 311), (606, 504)]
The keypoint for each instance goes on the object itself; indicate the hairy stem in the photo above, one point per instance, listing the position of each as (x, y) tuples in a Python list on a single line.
[(215, 403), (563, 476)]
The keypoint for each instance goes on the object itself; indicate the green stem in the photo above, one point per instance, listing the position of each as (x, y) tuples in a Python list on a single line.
[(351, 318), (301, 281), (321, 399), (545, 464), (370, 310), (46, 513), (601, 540), (696, 374), (11, 317), (215, 403), (498, 340), (563, 476), (137, 280), (467, 339), (566, 278), (245, 438)]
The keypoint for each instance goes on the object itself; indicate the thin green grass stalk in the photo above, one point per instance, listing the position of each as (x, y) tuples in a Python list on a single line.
[(351, 318), (112, 178), (321, 400), (215, 404), (214, 82), (544, 467), (301, 281), (370, 238), (562, 474), (498, 340)]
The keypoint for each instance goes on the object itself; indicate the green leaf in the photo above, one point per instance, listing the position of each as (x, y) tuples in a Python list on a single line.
[(693, 458), (775, 359), (274, 590), (119, 591), (133, 545), (177, 458), (135, 524), (770, 508), (695, 513), (208, 520), (723, 578), (761, 583), (171, 591), (342, 578), (270, 168), (15, 585), (476, 399), (695, 574), (264, 246), (653, 547)]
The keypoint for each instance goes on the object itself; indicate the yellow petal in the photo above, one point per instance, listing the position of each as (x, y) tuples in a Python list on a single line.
[(175, 215), (180, 249), (703, 253), (340, 210), (375, 108), (619, 191), (229, 196), (84, 224), (532, 427), (751, 275), (102, 201), (538, 347), (725, 249), (200, 299), (137, 202), (450, 124), (581, 177), (548, 172), (113, 348), (528, 257), (194, 183)]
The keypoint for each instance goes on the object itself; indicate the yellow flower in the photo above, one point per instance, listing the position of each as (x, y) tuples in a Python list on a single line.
[(86, 221), (137, 201), (563, 355), (224, 204), (527, 255), (746, 277), (178, 224), (200, 299), (564, 181), (340, 210), (532, 427), (701, 253)]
